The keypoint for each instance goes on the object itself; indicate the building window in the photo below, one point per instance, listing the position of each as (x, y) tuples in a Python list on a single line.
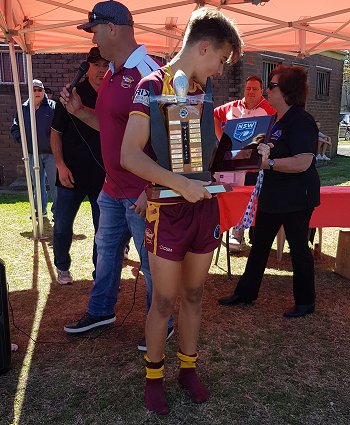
[(5, 68), (323, 78), (268, 66)]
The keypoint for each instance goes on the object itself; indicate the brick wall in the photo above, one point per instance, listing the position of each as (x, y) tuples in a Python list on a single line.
[(55, 70), (326, 111)]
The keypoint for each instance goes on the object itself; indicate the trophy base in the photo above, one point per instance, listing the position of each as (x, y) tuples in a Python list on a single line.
[(158, 192)]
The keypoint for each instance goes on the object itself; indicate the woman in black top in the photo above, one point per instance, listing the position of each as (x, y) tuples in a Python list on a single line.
[(289, 193)]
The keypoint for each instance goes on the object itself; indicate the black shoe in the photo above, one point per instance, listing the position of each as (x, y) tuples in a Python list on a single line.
[(300, 310), (234, 300), (142, 343), (88, 322)]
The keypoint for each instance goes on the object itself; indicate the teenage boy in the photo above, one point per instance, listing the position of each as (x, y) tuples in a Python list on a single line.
[(188, 228)]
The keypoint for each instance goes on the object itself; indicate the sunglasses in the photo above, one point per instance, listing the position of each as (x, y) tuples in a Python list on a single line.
[(38, 89), (95, 16), (271, 85)]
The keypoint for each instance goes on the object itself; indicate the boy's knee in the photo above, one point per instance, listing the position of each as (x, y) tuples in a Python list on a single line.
[(194, 295), (163, 304)]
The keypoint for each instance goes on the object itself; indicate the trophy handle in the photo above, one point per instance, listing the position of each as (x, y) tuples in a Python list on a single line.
[(207, 127), (159, 135)]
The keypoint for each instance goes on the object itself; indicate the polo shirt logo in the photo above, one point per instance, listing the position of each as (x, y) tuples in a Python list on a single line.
[(276, 134), (142, 96), (127, 81)]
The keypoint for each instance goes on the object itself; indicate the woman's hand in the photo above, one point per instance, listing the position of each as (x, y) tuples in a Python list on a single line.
[(264, 149)]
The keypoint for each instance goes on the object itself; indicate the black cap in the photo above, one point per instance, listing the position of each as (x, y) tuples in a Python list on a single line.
[(105, 12), (94, 55)]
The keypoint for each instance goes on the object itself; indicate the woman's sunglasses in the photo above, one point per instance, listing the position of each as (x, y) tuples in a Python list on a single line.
[(271, 85)]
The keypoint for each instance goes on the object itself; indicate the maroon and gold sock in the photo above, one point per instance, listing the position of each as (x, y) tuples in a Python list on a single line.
[(155, 400), (189, 379)]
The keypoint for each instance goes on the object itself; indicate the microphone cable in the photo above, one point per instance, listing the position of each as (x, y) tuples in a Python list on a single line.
[(92, 337), (107, 329)]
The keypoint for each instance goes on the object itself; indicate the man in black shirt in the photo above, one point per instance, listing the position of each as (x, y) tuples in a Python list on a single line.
[(77, 150)]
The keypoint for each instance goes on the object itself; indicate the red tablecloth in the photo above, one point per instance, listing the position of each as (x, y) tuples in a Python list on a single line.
[(334, 210)]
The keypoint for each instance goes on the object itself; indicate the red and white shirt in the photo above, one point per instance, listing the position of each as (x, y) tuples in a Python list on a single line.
[(239, 109)]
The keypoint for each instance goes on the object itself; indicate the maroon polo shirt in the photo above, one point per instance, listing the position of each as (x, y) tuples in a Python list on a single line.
[(112, 108)]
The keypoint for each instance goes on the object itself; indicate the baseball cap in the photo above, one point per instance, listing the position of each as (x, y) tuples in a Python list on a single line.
[(38, 83), (94, 55), (105, 12)]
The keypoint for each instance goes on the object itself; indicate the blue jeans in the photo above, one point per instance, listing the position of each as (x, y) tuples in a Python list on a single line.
[(67, 205), (47, 169), (117, 224)]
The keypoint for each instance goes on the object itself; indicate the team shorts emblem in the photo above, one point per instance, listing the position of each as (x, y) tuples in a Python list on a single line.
[(244, 130), (127, 80), (149, 235), (217, 232)]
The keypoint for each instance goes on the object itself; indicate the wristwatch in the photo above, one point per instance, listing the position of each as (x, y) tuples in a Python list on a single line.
[(271, 163)]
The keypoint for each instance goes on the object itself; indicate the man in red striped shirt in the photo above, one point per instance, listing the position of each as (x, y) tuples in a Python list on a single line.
[(252, 105)]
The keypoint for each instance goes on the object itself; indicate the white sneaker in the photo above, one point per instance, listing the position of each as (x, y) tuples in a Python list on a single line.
[(319, 157), (64, 277), (325, 158)]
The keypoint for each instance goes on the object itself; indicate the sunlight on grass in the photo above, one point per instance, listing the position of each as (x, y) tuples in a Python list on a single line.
[(43, 295)]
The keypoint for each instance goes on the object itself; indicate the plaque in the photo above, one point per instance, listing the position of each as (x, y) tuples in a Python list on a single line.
[(182, 134), (237, 148)]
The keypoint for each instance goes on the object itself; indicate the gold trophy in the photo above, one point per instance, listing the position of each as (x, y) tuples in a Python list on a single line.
[(182, 135)]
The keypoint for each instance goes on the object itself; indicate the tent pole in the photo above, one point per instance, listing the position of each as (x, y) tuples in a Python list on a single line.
[(35, 145), (23, 134)]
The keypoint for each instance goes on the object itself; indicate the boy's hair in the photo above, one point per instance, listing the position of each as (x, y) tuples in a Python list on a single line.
[(212, 25)]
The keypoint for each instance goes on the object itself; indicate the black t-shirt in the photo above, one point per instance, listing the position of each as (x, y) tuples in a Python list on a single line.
[(295, 133), (77, 156)]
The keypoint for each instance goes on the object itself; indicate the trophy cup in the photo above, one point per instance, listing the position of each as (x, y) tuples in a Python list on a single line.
[(182, 135)]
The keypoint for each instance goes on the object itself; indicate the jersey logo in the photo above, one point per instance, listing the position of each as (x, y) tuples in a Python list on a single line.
[(127, 81), (244, 130), (142, 96)]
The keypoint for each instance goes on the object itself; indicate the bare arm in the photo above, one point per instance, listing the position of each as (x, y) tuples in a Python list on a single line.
[(74, 105), (135, 160), (293, 164), (64, 174), (218, 128)]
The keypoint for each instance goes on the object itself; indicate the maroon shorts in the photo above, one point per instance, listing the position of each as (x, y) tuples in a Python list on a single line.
[(172, 230)]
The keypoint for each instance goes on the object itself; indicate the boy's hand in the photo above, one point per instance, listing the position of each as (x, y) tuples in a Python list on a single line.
[(195, 191)]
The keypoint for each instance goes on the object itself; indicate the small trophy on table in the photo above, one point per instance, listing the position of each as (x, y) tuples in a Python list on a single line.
[(182, 135)]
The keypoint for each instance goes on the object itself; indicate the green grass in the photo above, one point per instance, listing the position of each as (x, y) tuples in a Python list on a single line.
[(260, 368), (335, 172)]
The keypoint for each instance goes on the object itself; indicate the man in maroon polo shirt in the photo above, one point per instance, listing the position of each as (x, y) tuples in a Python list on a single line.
[(122, 199)]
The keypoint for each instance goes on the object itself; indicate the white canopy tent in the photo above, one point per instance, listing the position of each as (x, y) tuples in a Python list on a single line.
[(299, 28)]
